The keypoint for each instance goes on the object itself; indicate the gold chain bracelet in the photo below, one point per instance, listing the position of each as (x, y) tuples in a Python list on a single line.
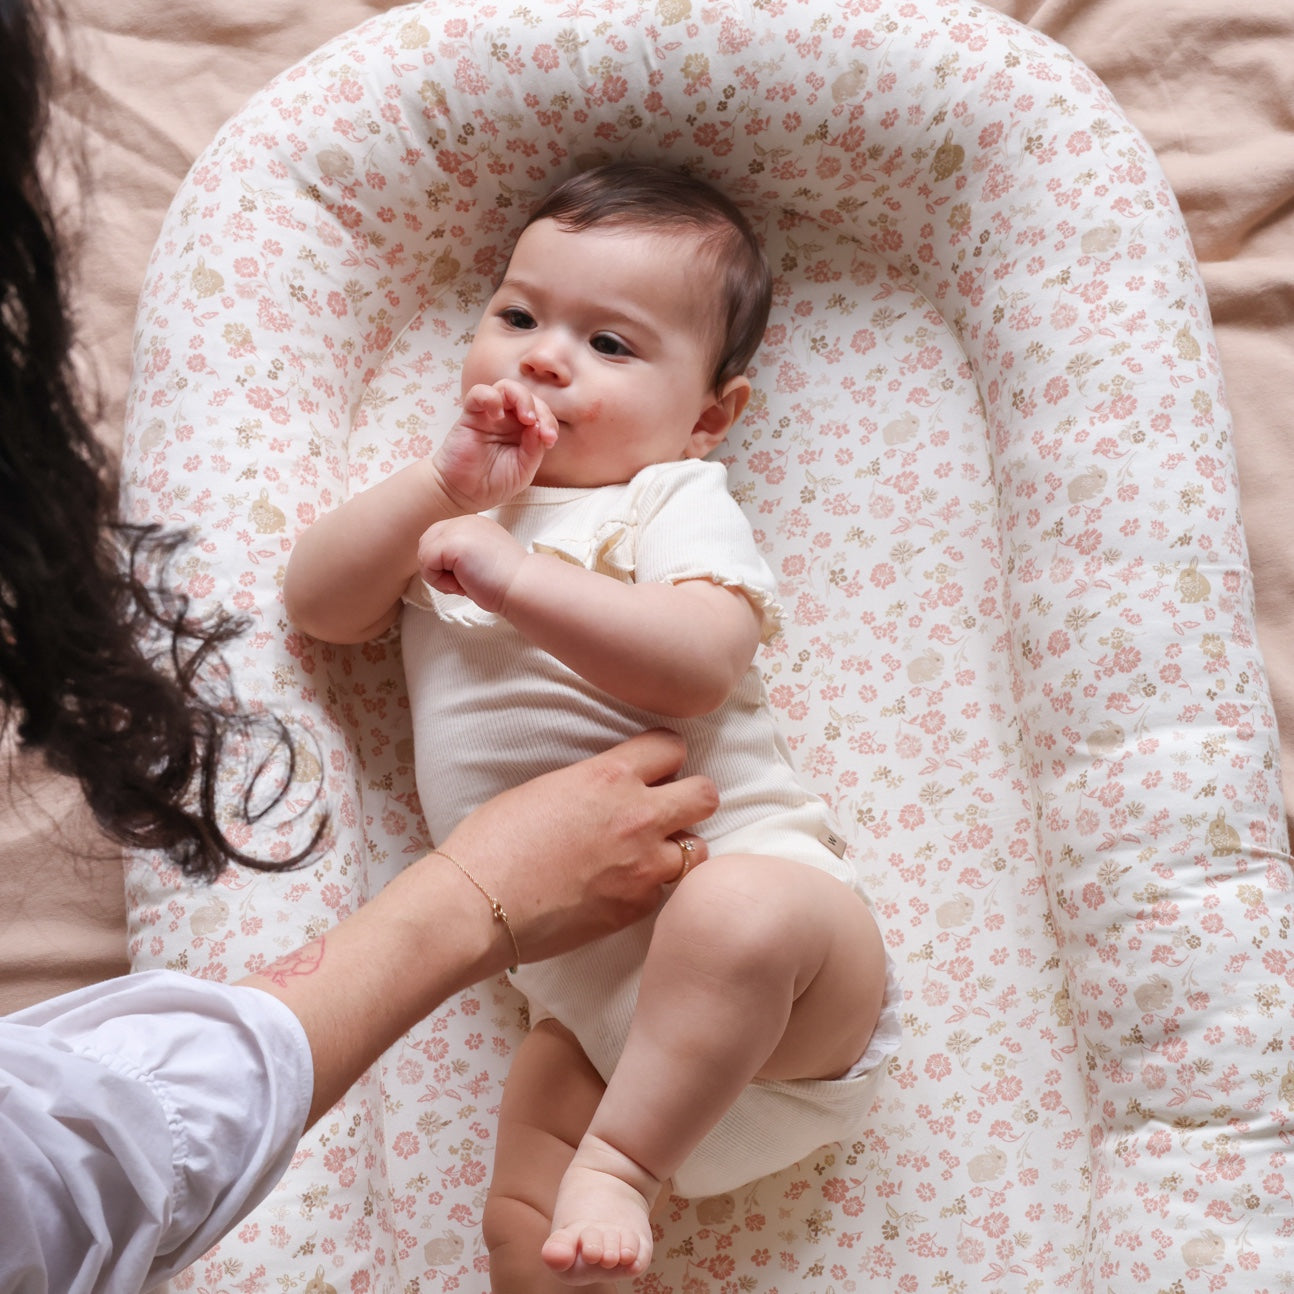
[(496, 908)]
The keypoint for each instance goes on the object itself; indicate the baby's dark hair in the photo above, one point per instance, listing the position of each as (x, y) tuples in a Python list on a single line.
[(659, 199)]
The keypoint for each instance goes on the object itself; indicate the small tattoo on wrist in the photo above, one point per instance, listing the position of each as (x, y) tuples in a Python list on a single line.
[(296, 964)]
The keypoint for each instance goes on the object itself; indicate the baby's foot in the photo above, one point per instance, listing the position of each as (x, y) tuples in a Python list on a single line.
[(601, 1229)]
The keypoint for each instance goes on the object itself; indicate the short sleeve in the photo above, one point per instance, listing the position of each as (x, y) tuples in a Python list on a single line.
[(689, 527), (672, 522), (142, 1118)]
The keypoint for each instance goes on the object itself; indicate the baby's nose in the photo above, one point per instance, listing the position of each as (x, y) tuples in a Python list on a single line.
[(545, 361)]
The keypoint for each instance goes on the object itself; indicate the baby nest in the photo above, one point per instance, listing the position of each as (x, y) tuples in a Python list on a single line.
[(988, 459)]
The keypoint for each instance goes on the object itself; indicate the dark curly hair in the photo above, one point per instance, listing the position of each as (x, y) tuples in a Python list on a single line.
[(103, 668)]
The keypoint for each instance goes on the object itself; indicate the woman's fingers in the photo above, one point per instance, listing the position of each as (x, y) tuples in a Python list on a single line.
[(692, 851), (585, 850), (653, 758)]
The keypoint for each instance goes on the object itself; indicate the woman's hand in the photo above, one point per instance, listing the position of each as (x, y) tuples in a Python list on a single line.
[(585, 850), (570, 856)]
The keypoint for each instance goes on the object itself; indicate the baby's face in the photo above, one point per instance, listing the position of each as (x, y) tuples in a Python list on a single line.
[(611, 328)]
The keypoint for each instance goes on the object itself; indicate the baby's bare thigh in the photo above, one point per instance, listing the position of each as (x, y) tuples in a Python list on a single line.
[(806, 929)]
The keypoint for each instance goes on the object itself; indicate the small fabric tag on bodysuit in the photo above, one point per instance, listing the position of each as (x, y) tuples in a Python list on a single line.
[(834, 842)]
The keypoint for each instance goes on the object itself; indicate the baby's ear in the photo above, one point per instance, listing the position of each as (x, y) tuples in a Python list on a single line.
[(718, 416)]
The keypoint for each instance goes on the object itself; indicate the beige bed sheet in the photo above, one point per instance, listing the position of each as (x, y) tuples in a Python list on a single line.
[(1212, 89), (62, 903)]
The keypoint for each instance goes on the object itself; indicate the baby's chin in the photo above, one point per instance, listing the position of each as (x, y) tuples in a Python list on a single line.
[(578, 476)]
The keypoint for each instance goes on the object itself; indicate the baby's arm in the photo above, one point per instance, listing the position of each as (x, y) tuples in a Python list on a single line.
[(348, 570), (676, 649)]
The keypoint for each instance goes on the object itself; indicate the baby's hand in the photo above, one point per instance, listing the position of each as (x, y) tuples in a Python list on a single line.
[(496, 446), (472, 556)]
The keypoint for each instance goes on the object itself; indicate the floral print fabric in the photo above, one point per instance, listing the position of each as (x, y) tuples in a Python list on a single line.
[(989, 462)]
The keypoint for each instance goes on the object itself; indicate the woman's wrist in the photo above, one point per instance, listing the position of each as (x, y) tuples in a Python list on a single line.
[(361, 986), (447, 926), (497, 910)]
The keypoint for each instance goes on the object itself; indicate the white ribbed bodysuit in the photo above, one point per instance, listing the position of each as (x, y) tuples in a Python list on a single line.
[(490, 710)]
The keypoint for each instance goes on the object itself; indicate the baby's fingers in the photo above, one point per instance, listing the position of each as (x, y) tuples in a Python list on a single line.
[(487, 400), (529, 410)]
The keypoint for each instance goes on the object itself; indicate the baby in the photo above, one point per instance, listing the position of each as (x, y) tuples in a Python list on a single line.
[(571, 572)]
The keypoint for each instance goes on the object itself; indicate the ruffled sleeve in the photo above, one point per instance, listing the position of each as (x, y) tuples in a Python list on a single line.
[(690, 528), (672, 522), (608, 550)]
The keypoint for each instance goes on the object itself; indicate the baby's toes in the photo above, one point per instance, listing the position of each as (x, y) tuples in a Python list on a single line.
[(561, 1249)]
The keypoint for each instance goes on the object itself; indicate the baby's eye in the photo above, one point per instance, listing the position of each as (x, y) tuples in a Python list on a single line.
[(515, 317), (606, 343)]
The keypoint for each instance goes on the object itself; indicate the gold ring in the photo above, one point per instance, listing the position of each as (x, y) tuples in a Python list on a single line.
[(687, 848)]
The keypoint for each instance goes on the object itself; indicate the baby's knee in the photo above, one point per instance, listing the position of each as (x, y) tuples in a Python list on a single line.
[(508, 1220), (498, 1219)]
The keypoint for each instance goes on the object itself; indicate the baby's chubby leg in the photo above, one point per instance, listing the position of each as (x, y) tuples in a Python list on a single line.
[(758, 967), (550, 1096)]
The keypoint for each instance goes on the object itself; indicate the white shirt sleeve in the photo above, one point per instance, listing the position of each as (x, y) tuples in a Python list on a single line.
[(140, 1119)]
